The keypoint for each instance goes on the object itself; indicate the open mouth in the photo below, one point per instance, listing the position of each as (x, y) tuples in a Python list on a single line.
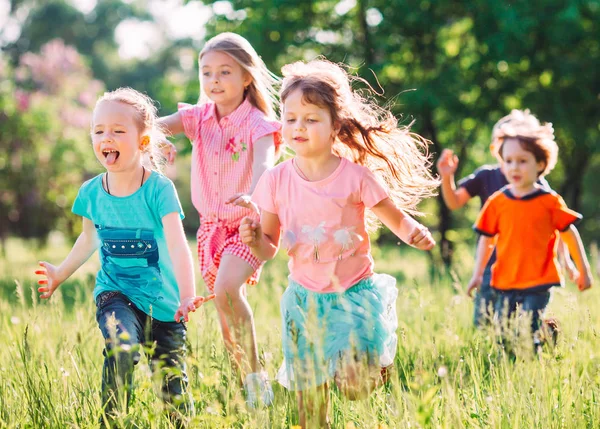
[(110, 155)]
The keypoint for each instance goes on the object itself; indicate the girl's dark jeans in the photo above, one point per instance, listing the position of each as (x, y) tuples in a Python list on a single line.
[(126, 331)]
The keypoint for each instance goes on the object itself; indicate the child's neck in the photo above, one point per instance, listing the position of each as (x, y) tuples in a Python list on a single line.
[(522, 191), (223, 110), (125, 183), (315, 169)]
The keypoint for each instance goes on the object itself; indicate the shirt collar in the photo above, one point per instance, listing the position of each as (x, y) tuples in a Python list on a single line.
[(235, 118)]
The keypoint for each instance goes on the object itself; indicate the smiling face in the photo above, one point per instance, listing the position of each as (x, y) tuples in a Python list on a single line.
[(116, 136), (519, 165), (307, 128), (223, 79)]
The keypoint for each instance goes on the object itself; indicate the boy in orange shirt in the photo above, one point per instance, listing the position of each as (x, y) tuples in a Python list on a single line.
[(523, 220)]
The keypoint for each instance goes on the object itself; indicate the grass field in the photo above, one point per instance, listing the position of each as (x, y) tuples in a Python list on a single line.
[(447, 375)]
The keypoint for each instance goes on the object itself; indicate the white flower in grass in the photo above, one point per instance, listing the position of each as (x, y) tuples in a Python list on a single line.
[(442, 371)]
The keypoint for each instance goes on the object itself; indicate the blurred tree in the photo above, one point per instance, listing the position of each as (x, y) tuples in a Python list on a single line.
[(45, 112)]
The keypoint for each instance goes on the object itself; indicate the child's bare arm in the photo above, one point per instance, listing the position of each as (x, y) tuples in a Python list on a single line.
[(264, 158), (263, 237), (172, 123), (454, 197), (573, 241), (181, 257), (84, 247), (485, 247), (403, 226)]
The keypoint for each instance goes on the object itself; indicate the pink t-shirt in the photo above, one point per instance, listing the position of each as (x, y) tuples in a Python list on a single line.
[(323, 222), (222, 155)]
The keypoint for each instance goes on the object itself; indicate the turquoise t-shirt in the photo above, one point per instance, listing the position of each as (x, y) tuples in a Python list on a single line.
[(133, 250)]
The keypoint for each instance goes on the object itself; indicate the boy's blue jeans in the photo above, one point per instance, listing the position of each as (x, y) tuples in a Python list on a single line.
[(485, 302), (126, 329), (533, 302)]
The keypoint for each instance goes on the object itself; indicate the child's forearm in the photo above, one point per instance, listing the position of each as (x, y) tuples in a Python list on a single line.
[(184, 271), (84, 247), (485, 247), (265, 249), (448, 188), (573, 241)]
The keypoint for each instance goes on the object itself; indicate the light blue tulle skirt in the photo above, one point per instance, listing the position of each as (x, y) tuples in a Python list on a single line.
[(319, 327)]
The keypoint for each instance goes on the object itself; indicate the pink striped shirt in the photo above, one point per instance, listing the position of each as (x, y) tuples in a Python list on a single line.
[(222, 155)]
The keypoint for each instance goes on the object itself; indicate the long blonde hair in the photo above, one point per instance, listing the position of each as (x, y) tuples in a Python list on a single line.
[(146, 119), (261, 91), (369, 135)]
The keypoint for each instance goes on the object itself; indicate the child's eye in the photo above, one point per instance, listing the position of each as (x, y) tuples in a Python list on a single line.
[(225, 72), (289, 121), (97, 132), (206, 74), (120, 132), (311, 120)]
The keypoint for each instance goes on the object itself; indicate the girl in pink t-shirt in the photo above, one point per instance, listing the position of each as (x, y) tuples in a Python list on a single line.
[(339, 318), (234, 138)]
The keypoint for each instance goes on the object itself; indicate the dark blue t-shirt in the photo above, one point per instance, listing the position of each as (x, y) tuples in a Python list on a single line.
[(486, 180)]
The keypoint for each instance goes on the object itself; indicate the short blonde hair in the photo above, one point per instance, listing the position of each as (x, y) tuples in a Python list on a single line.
[(533, 136), (261, 91), (146, 119)]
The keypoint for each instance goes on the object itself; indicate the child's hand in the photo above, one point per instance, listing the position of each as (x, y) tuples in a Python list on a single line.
[(250, 231), (584, 281), (447, 163), (474, 284), (51, 282), (243, 200), (420, 237), (572, 270), (169, 151), (189, 305)]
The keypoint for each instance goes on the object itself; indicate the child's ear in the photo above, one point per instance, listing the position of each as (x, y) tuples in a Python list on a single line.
[(247, 79), (144, 142), (541, 166)]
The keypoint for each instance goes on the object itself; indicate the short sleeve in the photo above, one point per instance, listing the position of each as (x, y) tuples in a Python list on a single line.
[(562, 216), (191, 117), (81, 206), (263, 194), (168, 201), (472, 183), (371, 191), (265, 127), (487, 221)]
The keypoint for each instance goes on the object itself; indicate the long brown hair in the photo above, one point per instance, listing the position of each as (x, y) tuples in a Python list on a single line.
[(369, 135), (261, 91)]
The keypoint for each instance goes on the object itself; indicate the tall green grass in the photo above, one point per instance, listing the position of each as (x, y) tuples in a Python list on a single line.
[(446, 375)]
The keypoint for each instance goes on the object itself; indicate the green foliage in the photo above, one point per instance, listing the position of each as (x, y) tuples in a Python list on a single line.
[(45, 111)]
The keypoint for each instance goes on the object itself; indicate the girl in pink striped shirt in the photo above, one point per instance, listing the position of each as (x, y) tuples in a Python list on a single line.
[(338, 316), (234, 137)]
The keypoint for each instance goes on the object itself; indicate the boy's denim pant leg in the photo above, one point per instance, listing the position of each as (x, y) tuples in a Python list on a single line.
[(530, 302), (126, 329), (485, 302)]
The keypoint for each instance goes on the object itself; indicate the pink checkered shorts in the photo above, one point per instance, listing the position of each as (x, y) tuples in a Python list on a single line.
[(218, 238)]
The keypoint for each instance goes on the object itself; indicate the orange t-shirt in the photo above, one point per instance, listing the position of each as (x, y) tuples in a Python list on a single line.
[(526, 230)]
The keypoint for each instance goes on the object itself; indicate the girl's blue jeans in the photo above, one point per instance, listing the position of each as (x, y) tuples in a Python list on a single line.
[(126, 331)]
